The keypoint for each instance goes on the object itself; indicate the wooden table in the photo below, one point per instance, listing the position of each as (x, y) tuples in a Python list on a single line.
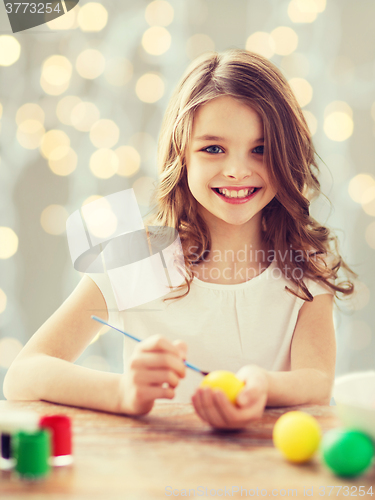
[(171, 450)]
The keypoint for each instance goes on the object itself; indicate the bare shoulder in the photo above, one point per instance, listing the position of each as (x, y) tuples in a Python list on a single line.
[(319, 302), (88, 292), (316, 313)]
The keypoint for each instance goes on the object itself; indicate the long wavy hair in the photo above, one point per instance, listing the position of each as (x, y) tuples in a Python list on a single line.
[(289, 155)]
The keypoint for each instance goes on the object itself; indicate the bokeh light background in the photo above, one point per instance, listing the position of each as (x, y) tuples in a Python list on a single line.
[(81, 104)]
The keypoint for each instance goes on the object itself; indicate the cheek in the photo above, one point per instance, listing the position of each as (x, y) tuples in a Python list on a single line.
[(196, 178), (190, 178), (192, 183)]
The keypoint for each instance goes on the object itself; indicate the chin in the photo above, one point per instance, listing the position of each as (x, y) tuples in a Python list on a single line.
[(235, 221)]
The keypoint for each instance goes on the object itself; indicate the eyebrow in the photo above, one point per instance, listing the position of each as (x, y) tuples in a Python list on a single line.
[(208, 137)]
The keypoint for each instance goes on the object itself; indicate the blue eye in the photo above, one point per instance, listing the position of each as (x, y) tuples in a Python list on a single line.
[(217, 149), (210, 147), (261, 152)]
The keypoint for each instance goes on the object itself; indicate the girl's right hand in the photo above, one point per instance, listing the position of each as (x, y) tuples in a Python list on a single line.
[(154, 371)]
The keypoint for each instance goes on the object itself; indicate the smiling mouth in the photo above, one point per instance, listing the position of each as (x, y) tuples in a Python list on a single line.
[(242, 194)]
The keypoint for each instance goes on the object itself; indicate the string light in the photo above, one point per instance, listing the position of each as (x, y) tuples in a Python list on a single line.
[(302, 90), (104, 163), (90, 64), (199, 44), (92, 16), (129, 161), (149, 88), (159, 13), (10, 50), (56, 74), (156, 40), (53, 219), (8, 242), (84, 115), (104, 134), (65, 107), (285, 40), (261, 43), (338, 121)]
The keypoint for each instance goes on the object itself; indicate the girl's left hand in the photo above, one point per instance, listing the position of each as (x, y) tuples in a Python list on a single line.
[(213, 406)]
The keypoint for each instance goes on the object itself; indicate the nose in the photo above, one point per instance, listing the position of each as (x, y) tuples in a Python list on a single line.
[(237, 168)]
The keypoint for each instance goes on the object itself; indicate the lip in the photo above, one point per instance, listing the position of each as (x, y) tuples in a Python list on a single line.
[(236, 201)]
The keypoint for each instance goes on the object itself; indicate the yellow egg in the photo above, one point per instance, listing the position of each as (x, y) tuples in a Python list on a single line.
[(297, 435), (225, 381)]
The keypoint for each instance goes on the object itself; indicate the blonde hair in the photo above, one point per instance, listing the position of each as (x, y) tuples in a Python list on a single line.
[(289, 155)]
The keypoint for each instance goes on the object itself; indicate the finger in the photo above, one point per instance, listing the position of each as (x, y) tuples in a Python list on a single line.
[(230, 414), (257, 407), (157, 361), (225, 408), (156, 377), (199, 406), (236, 417), (194, 400), (158, 343), (214, 417), (253, 410), (182, 348), (249, 395), (152, 392), (256, 386)]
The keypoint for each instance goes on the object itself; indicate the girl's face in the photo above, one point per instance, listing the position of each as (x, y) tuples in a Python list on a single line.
[(226, 152)]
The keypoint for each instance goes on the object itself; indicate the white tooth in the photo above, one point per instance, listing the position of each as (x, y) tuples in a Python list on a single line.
[(236, 194)]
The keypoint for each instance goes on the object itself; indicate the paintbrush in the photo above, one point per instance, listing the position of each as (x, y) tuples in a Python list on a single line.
[(189, 365)]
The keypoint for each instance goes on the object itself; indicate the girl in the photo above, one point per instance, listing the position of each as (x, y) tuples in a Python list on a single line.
[(237, 174)]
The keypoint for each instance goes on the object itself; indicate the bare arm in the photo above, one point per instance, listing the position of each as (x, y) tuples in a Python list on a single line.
[(313, 358), (44, 369)]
